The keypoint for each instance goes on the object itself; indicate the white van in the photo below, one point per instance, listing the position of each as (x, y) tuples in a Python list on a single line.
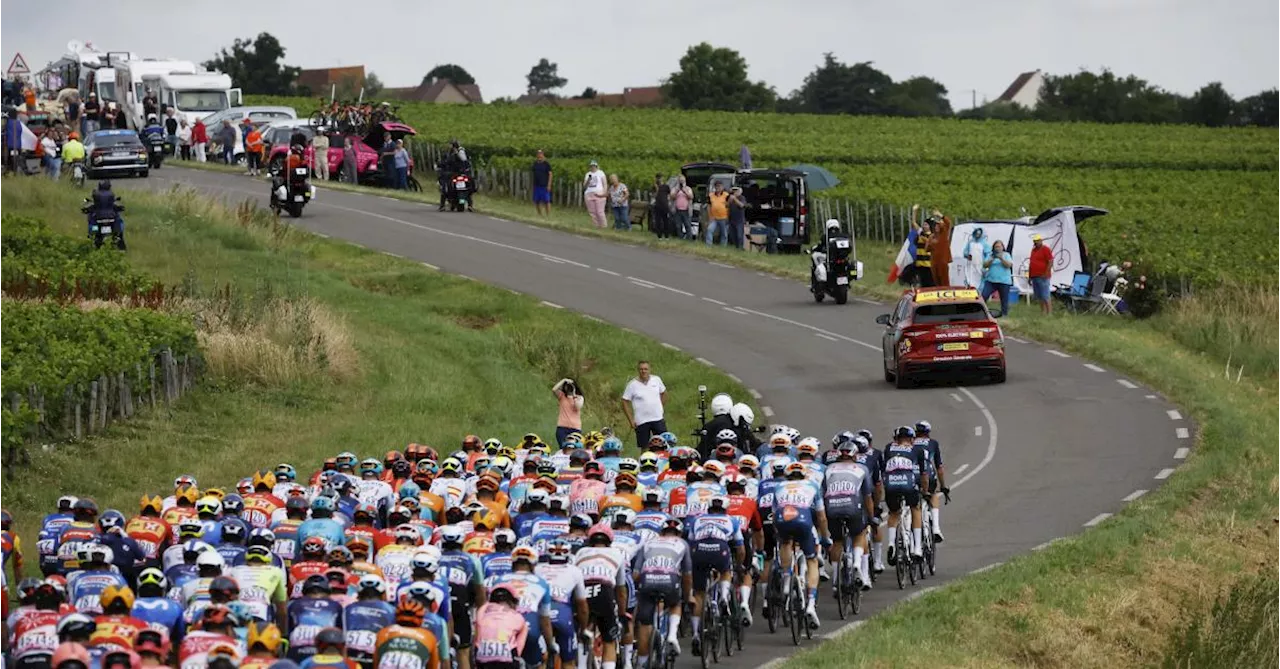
[(134, 77), (197, 95)]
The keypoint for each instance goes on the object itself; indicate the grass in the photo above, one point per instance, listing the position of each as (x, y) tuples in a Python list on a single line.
[(410, 355)]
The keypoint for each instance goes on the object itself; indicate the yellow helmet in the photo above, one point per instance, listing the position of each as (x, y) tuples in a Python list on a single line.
[(153, 503), (209, 505), (113, 594), (264, 478), (188, 494), (218, 493), (267, 636), (592, 439)]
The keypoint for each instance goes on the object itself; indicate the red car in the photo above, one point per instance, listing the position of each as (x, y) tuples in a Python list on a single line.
[(368, 150), (936, 332)]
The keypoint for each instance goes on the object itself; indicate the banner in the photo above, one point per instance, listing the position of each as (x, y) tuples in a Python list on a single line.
[(1059, 232)]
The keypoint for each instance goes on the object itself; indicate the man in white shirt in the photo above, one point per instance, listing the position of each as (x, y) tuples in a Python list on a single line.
[(595, 193), (642, 402)]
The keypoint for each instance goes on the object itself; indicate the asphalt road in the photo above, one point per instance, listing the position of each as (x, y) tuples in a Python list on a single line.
[(1058, 447)]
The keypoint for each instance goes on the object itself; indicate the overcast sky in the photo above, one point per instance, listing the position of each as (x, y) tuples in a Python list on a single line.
[(968, 46)]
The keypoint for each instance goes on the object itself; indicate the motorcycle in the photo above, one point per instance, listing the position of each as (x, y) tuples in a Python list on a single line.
[(102, 226), (293, 193), (155, 150), (459, 192), (77, 173), (831, 270)]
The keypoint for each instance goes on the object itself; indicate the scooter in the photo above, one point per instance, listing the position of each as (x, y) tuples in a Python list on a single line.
[(831, 270), (100, 227), (459, 195)]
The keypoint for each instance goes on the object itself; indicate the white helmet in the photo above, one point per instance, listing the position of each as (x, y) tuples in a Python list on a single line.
[(742, 414), (833, 223), (792, 433), (211, 559), (721, 404), (426, 561), (727, 437)]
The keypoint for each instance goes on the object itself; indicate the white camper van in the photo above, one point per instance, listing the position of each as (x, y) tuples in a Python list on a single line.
[(197, 95), (135, 77)]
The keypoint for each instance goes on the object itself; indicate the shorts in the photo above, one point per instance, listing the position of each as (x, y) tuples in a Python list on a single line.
[(648, 600), (770, 541), (462, 621), (496, 665), (541, 194), (708, 555), (842, 526), (893, 499), (801, 533), (603, 606), (1040, 288), (562, 628)]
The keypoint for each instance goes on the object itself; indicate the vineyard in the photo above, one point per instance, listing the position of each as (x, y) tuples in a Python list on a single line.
[(1186, 202)]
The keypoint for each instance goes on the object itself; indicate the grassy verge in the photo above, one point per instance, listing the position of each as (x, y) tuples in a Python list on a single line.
[(431, 357)]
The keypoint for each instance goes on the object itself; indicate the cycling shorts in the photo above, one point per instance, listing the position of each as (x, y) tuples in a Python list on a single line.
[(462, 620), (603, 606), (534, 647), (802, 534), (933, 482), (842, 526), (770, 541), (648, 599), (708, 555), (893, 499), (565, 633)]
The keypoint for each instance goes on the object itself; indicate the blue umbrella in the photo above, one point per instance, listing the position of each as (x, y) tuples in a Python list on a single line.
[(818, 178)]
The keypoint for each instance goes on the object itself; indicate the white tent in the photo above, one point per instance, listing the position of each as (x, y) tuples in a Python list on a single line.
[(1057, 226)]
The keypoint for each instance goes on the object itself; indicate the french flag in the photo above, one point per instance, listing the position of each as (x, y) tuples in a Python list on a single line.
[(906, 256)]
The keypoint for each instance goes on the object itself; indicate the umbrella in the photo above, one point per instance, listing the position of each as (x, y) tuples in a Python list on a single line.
[(818, 178)]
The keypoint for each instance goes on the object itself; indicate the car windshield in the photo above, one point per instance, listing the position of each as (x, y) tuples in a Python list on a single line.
[(103, 141), (767, 189), (956, 312), (200, 101), (107, 91)]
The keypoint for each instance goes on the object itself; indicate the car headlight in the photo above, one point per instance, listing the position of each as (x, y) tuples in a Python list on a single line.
[(97, 160)]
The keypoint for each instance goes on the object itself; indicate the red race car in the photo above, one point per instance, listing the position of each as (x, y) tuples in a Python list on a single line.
[(938, 332)]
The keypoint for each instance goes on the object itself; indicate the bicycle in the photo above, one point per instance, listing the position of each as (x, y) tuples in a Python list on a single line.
[(658, 640), (848, 582), (735, 632), (712, 625), (928, 549), (773, 595), (902, 565), (795, 601)]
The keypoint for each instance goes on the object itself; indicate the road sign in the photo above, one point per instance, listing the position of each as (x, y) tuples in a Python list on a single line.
[(18, 65)]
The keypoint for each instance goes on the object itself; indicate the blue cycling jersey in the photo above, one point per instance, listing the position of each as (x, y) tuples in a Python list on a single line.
[(903, 464), (795, 502)]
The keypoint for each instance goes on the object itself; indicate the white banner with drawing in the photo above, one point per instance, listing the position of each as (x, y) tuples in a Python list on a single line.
[(1059, 234)]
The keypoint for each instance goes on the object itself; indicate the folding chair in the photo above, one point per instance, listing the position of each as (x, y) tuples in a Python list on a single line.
[(1109, 301), (1088, 303)]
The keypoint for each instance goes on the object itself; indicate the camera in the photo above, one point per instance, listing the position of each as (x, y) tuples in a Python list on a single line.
[(569, 388)]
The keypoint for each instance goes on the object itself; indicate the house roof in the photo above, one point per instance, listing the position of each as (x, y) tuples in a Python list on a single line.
[(1012, 90), (431, 92), (643, 96), (322, 77)]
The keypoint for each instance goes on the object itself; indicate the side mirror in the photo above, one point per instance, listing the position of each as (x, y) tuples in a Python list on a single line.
[(882, 319)]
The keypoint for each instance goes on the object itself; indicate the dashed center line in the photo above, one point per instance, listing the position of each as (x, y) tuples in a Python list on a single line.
[(553, 259), (1097, 519), (825, 336), (1133, 495), (754, 393), (1164, 474), (1182, 433), (1127, 384), (1060, 354), (735, 310), (957, 397), (670, 346), (714, 301), (719, 264), (1089, 365), (1013, 338), (1174, 415), (607, 271), (1181, 453), (989, 567)]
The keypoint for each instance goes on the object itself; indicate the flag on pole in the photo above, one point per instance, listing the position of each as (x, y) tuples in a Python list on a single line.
[(906, 256)]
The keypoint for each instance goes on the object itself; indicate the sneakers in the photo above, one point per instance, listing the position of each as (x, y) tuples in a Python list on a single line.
[(822, 574), (891, 559), (878, 568), (812, 615), (937, 538), (746, 617), (673, 646), (697, 646)]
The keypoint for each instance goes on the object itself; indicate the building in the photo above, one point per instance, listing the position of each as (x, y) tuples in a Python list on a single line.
[(643, 96), (442, 91), (321, 81), (1025, 90)]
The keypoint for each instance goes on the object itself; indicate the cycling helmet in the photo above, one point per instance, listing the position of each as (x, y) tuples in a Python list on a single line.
[(285, 472), (629, 465), (257, 554), (748, 462), (742, 414), (85, 508), (451, 535), (372, 582), (503, 593), (592, 438), (66, 503), (184, 480), (904, 432), (672, 525), (579, 457), (492, 445), (726, 436), (611, 445), (558, 502), (153, 504), (524, 554), (866, 434), (488, 484), (90, 554), (734, 480), (780, 442), (323, 503), (152, 576), (208, 506), (559, 551), (111, 519), (296, 503), (693, 474), (502, 465), (923, 427), (412, 505), (450, 465), (598, 530), (313, 548), (235, 531), (70, 655), (504, 537), (656, 442), (408, 533), (647, 459), (796, 468), (593, 470), (116, 594), (861, 444), (232, 505), (27, 589), (315, 583), (833, 224), (224, 588), (264, 480), (339, 556), (192, 548), (652, 496), (809, 446), (266, 636), (75, 625), (547, 468), (721, 404), (624, 517), (669, 438), (186, 496), (372, 466), (245, 486), (211, 560), (848, 447), (345, 461), (470, 442), (217, 615), (330, 637), (778, 467), (626, 479), (537, 496), (410, 612), (713, 469), (580, 521)]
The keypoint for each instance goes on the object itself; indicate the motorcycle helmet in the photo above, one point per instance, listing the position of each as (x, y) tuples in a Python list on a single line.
[(833, 224), (721, 404), (105, 184), (742, 414)]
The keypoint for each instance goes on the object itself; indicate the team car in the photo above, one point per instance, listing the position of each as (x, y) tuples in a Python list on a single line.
[(940, 332), (115, 153)]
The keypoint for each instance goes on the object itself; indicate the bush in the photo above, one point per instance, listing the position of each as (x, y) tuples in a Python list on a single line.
[(38, 261), (1240, 631), (1144, 298)]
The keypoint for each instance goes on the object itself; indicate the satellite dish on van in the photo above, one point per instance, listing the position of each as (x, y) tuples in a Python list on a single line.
[(75, 46)]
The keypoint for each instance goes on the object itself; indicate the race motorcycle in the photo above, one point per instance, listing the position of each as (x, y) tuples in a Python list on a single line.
[(832, 269), (459, 192), (291, 191)]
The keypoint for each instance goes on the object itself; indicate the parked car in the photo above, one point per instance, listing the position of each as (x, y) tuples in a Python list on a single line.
[(368, 166), (936, 332), (777, 198), (115, 153)]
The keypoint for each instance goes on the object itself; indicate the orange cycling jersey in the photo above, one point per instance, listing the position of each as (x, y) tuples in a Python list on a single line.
[(611, 504), (152, 534), (432, 503), (478, 543), (177, 514), (259, 507), (296, 160), (397, 647)]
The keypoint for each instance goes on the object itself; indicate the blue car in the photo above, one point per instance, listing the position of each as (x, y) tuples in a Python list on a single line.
[(115, 153)]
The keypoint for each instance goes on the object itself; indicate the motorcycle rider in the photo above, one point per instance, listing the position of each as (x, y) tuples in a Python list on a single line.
[(280, 180), (103, 204), (456, 162), (721, 409), (819, 251)]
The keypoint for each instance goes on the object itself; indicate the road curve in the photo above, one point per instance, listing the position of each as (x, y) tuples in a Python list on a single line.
[(1058, 447)]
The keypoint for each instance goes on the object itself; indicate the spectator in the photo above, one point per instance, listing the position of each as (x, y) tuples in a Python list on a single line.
[(681, 207), (13, 127), (1040, 272), (52, 160), (245, 127), (744, 157), (642, 402), (184, 139), (227, 140), (171, 129), (74, 112), (350, 172), (569, 396), (718, 214), (737, 217), (997, 275), (541, 184), (199, 139), (109, 115), (921, 237), (320, 146), (941, 252), (402, 165), (388, 159), (1113, 272), (92, 114), (660, 211), (620, 200), (29, 97), (594, 193), (976, 250), (253, 150), (149, 105)]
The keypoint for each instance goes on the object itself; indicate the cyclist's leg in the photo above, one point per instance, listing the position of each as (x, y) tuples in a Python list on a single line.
[(785, 555), (935, 503), (702, 563), (893, 503), (916, 539), (645, 605), (810, 549), (859, 532)]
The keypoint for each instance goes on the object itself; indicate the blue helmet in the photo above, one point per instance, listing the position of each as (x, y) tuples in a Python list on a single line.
[(322, 503), (286, 472), (111, 519), (611, 445), (669, 437), (232, 505), (409, 489)]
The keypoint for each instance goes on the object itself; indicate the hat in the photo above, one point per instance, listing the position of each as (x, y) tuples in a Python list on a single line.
[(593, 164), (1037, 238)]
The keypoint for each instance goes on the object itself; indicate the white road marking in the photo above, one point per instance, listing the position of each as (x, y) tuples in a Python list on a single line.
[(1133, 495), (705, 362), (1127, 384), (671, 346), (1013, 338), (1060, 354), (1151, 397), (991, 437), (761, 274), (735, 310), (320, 234), (989, 567), (430, 266), (1164, 474), (553, 259), (1174, 415), (553, 305), (658, 285), (768, 411), (1097, 519), (607, 271), (754, 393), (592, 318), (1039, 547), (977, 430), (1182, 433), (733, 377), (774, 663), (825, 336), (714, 301), (643, 284), (1089, 365), (503, 220), (811, 328), (1181, 453), (719, 264), (843, 630), (919, 593), (960, 470), (957, 397)]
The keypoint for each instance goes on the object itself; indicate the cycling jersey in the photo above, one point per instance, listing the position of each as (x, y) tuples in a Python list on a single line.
[(452, 490), (439, 628), (647, 479), (259, 507), (903, 464), (499, 629), (649, 522), (628, 541), (716, 527), (361, 622), (232, 554), (438, 585), (307, 617), (261, 588), (585, 495), (327, 660), (326, 528), (872, 460), (71, 538), (375, 493), (533, 595), (287, 542), (116, 631), (845, 486), (399, 647), (212, 534), (671, 479), (84, 588), (161, 614), (193, 652), (494, 565), (524, 522), (546, 530), (613, 503), (565, 580), (34, 638), (794, 504), (152, 534), (301, 571), (814, 471), (662, 562), (395, 563), (47, 541)]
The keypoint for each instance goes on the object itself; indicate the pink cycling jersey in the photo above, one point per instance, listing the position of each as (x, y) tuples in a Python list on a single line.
[(500, 633), (585, 495)]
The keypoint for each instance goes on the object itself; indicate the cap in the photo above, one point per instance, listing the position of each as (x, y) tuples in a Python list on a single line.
[(593, 164), (1037, 237)]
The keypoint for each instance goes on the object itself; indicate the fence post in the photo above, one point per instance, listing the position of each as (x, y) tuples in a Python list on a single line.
[(79, 433), (152, 384), (93, 406)]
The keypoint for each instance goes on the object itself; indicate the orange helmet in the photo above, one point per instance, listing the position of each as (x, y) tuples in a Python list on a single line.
[(217, 493), (625, 478), (187, 494), (264, 479), (267, 636), (488, 520), (487, 483), (153, 503), (114, 594), (410, 612)]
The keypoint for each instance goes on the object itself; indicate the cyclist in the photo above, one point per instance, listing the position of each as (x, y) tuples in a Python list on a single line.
[(711, 536), (937, 477), (315, 611), (81, 532), (395, 560), (312, 563), (234, 534), (872, 459), (406, 643), (604, 570), (47, 539), (555, 524), (662, 569), (610, 453), (779, 452), (331, 651), (499, 561), (286, 529), (677, 466), (742, 505), (155, 608), (568, 601), (322, 523), (363, 618), (183, 506), (649, 470), (262, 504), (263, 643), (586, 492), (532, 510), (534, 596), (216, 630), (262, 585), (466, 586), (126, 553), (623, 497), (149, 530), (500, 628), (579, 523), (33, 634), (116, 627), (847, 495), (648, 522), (797, 510), (905, 471), (209, 513), (749, 468), (95, 575)]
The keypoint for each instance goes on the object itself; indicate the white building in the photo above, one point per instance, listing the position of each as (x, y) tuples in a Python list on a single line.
[(1025, 90)]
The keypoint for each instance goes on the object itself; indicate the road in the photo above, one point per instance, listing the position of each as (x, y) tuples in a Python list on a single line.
[(1060, 446)]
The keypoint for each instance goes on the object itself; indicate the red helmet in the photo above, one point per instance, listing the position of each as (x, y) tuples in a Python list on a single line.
[(593, 469)]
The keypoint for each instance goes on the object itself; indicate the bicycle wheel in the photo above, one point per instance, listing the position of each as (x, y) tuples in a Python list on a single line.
[(706, 637), (910, 561), (414, 186), (657, 645), (841, 587), (739, 631), (899, 561), (772, 596), (795, 609)]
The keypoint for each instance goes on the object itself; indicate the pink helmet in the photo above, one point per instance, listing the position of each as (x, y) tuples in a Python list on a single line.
[(601, 527)]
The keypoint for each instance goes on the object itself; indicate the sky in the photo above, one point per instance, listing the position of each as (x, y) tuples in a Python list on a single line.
[(975, 49)]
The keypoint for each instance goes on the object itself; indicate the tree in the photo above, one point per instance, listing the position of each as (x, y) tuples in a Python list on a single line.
[(588, 93), (716, 78), (836, 88), (918, 96), (1258, 109), (1106, 98), (255, 66), (1212, 105), (449, 71), (545, 77), (372, 85)]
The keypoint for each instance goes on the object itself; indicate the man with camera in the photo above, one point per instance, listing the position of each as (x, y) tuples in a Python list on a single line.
[(570, 418)]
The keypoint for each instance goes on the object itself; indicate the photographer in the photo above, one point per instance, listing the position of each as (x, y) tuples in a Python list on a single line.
[(570, 418)]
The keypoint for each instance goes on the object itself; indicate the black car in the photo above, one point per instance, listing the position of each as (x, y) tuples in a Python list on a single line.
[(777, 198), (115, 153)]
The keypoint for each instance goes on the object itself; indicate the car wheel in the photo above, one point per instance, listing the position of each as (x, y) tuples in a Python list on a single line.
[(902, 380), (888, 375), (999, 377), (144, 173)]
